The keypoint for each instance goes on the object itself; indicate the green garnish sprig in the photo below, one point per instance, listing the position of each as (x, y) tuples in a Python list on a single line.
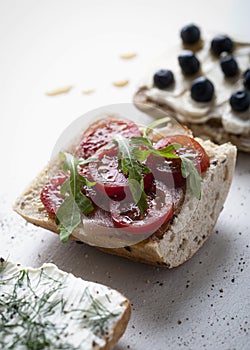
[(96, 317), (75, 204), (131, 166), (188, 169)]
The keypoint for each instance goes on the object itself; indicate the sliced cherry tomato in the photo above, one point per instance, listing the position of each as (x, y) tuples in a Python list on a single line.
[(126, 215), (101, 132), (166, 170), (189, 146), (109, 179), (97, 198), (51, 196), (169, 170)]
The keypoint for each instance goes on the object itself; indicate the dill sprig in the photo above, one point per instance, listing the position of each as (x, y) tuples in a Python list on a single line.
[(24, 314), (96, 317)]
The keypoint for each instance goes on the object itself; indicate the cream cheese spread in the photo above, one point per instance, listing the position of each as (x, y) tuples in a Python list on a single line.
[(178, 98), (51, 309)]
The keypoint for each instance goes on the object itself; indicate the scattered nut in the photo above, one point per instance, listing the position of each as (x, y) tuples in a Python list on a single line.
[(128, 56), (88, 91), (121, 83), (59, 91)]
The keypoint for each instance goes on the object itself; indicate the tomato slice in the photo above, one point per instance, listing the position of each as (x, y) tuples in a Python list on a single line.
[(189, 146), (101, 132), (166, 170), (109, 179), (169, 170), (126, 215), (51, 196)]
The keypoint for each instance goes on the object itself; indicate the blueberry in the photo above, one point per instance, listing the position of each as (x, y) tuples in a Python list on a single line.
[(190, 34), (188, 62), (246, 78), (163, 78), (240, 101), (221, 43), (229, 66), (202, 90)]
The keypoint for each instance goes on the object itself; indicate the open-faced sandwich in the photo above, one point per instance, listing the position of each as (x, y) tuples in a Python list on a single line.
[(46, 308), (149, 193), (204, 83)]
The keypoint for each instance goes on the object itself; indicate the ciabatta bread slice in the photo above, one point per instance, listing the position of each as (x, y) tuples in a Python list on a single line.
[(49, 308), (187, 231)]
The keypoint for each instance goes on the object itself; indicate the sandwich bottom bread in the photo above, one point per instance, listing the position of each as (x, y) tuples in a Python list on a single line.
[(49, 308), (181, 208)]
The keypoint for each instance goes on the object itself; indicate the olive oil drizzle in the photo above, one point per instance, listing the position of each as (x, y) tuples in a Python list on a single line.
[(24, 313)]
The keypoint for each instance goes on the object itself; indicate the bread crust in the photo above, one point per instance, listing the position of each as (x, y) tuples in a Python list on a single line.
[(211, 129), (119, 328), (183, 237)]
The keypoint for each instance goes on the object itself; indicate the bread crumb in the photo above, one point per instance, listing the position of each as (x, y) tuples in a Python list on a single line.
[(59, 91), (120, 83), (88, 91), (128, 56)]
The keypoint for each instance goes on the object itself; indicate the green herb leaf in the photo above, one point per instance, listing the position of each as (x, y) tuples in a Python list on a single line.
[(154, 124), (141, 141), (83, 203), (76, 203), (69, 216), (129, 164), (187, 166), (88, 160), (142, 154), (65, 187), (167, 152), (188, 170)]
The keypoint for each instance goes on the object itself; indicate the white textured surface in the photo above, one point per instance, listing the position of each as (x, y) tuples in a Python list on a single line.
[(48, 44)]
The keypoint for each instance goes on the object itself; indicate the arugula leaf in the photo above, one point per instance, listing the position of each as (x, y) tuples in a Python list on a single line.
[(130, 166), (88, 160), (65, 187), (155, 123), (141, 141), (188, 170), (69, 216), (167, 152), (76, 203), (142, 154)]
